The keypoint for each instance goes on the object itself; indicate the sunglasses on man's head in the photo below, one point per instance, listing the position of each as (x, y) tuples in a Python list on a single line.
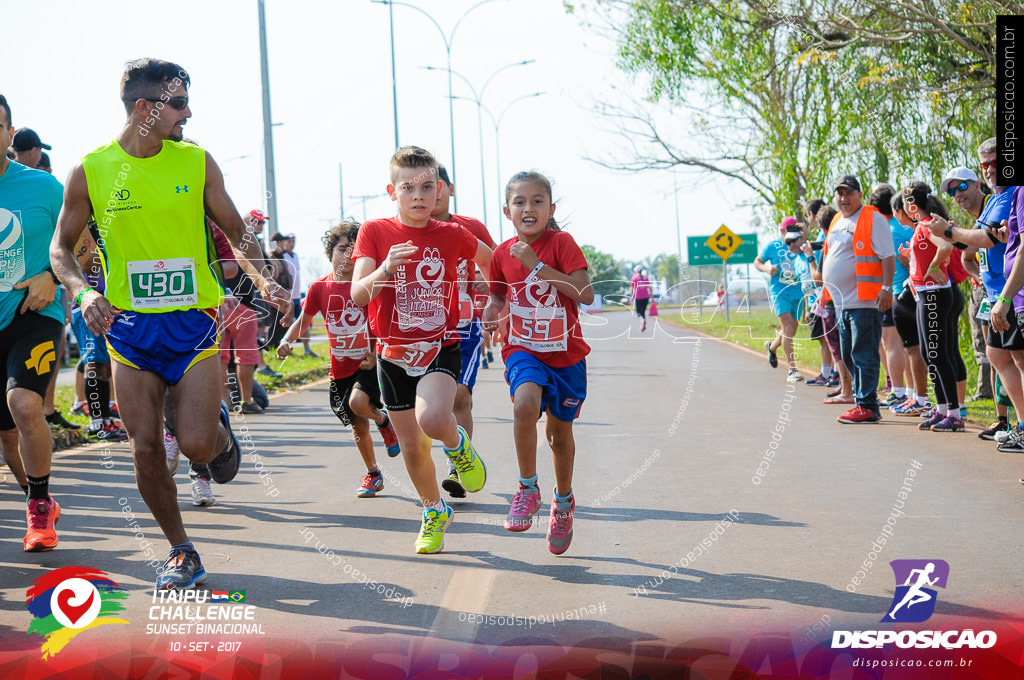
[(986, 166), (952, 191), (176, 103)]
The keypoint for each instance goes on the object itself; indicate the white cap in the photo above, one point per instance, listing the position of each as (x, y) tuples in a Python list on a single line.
[(957, 175)]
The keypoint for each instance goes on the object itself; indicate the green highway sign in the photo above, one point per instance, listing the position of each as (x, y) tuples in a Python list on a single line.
[(700, 254)]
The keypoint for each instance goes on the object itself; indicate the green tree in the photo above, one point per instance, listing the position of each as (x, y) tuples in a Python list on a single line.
[(605, 272), (782, 96)]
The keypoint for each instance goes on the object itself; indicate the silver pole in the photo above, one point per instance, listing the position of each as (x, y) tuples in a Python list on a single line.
[(341, 191), (270, 193), (394, 80)]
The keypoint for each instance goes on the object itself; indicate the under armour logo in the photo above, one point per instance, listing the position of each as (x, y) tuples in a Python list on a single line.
[(178, 190), (41, 358)]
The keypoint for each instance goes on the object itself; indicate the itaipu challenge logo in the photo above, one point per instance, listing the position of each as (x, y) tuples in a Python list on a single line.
[(70, 600)]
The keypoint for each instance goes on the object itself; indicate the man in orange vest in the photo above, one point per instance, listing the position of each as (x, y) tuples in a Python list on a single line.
[(858, 272)]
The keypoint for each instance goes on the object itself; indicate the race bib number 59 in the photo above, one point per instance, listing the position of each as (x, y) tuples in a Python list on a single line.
[(541, 329), (162, 283)]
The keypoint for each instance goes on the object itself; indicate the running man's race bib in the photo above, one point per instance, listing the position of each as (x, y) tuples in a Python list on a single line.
[(788, 273), (414, 357), (162, 283)]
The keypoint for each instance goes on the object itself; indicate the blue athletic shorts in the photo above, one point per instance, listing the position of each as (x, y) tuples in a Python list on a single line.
[(788, 304), (471, 340), (165, 343), (565, 389), (91, 348)]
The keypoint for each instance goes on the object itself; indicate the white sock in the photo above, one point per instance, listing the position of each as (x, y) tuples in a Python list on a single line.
[(96, 423), (943, 409), (921, 401), (900, 392), (439, 506), (826, 370)]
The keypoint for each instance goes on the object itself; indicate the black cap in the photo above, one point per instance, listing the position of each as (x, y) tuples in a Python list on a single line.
[(848, 181), (281, 237), (25, 139)]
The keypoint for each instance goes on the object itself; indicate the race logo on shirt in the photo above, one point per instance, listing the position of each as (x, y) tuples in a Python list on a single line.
[(12, 250), (346, 324), (420, 303)]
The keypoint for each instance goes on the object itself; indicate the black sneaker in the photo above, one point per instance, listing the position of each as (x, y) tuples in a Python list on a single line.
[(250, 408), (891, 400), (989, 434), (108, 432), (57, 419), (453, 486), (183, 569), (225, 466), (773, 358)]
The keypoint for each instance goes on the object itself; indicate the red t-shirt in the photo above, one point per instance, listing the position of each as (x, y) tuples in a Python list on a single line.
[(467, 269), (420, 303), (542, 320), (346, 323), (922, 252)]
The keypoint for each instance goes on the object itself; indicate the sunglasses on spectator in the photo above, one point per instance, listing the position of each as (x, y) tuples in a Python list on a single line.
[(962, 186), (986, 166), (176, 103)]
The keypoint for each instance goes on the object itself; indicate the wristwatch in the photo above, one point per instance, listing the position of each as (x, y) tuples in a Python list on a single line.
[(888, 289), (949, 232), (52, 275)]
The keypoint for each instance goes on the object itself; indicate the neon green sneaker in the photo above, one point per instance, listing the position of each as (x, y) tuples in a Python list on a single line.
[(470, 467), (431, 538)]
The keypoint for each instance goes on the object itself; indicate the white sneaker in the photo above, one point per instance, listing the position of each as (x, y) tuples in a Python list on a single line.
[(794, 376), (173, 452), (202, 495)]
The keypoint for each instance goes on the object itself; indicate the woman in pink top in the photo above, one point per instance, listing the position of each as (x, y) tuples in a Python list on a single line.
[(640, 294)]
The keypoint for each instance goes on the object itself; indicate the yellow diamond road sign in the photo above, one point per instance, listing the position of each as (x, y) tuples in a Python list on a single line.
[(724, 242)]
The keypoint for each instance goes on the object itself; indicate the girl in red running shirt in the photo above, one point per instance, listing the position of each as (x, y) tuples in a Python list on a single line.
[(543, 273), (355, 392)]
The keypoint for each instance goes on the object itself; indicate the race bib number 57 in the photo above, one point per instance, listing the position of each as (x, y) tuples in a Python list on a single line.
[(162, 283)]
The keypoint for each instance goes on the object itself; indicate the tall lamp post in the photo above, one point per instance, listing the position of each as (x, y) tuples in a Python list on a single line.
[(497, 139), (270, 192), (447, 38), (478, 98)]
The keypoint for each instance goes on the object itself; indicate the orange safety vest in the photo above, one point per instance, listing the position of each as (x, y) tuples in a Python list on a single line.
[(867, 265)]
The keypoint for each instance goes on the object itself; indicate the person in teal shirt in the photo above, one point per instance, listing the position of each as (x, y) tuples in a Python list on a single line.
[(787, 268), (31, 323)]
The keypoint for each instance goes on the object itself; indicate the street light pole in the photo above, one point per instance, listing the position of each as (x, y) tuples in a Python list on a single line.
[(497, 141), (447, 38), (270, 192), (478, 99), (394, 80)]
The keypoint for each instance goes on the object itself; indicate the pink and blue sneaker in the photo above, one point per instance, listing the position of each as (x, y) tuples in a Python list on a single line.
[(525, 504)]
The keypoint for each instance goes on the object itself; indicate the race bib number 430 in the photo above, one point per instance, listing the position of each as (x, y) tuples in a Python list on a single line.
[(162, 283)]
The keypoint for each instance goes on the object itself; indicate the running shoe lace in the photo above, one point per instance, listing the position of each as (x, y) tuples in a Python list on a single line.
[(367, 480), (37, 517), (463, 460), (560, 525), (175, 559), (520, 503), (431, 525)]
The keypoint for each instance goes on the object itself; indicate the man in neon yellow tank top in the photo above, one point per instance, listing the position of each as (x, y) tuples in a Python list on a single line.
[(149, 193)]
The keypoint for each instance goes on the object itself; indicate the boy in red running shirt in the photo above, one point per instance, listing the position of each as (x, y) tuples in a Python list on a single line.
[(406, 271), (355, 392), (544, 273), (470, 334)]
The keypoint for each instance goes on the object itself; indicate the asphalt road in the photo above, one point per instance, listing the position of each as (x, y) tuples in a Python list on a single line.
[(676, 533)]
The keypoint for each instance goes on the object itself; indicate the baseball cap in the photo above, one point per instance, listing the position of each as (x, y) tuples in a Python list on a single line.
[(792, 236), (787, 222), (848, 181), (281, 237), (957, 175), (257, 215), (25, 139)]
